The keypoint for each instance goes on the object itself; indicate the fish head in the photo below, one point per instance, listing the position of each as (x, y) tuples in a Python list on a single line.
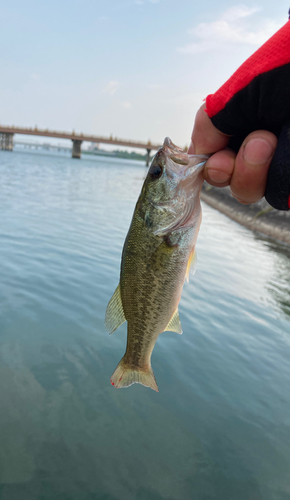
[(170, 193)]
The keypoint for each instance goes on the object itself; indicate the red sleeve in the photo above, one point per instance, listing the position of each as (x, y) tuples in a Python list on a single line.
[(257, 97), (273, 54)]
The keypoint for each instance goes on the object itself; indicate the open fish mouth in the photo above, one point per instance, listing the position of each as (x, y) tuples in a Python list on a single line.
[(179, 163), (194, 170), (178, 155)]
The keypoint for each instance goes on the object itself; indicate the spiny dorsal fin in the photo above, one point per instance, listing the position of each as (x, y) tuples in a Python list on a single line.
[(191, 265), (115, 316), (174, 324)]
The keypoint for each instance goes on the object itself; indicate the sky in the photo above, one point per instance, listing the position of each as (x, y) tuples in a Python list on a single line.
[(134, 69)]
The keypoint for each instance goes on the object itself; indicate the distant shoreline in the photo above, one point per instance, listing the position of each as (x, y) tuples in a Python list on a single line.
[(259, 216), (117, 154)]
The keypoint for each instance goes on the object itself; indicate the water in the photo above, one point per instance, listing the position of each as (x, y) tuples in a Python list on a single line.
[(218, 429)]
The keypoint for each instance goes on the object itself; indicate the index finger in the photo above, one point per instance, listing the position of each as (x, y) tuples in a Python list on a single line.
[(206, 138)]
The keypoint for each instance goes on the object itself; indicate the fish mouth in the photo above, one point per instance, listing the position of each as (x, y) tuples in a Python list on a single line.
[(186, 173), (179, 162), (197, 168)]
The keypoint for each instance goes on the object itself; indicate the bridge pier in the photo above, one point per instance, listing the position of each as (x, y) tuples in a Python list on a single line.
[(6, 141), (148, 157), (76, 149)]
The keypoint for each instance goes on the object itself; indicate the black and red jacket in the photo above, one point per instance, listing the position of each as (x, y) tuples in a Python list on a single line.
[(257, 97)]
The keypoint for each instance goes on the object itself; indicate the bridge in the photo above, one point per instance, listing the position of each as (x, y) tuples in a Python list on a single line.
[(7, 134)]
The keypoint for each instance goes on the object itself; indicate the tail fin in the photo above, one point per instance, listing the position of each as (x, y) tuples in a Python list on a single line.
[(124, 376)]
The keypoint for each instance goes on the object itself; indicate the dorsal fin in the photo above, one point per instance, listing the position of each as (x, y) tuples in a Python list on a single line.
[(174, 324), (115, 316)]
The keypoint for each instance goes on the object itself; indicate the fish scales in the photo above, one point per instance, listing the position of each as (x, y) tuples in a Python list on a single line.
[(145, 286), (155, 258)]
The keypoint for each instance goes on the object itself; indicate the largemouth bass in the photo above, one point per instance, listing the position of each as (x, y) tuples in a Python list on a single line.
[(157, 255)]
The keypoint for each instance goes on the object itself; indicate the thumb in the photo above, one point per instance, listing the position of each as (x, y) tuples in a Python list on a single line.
[(206, 138)]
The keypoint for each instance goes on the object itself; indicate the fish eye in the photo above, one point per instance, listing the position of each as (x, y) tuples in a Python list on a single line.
[(156, 172)]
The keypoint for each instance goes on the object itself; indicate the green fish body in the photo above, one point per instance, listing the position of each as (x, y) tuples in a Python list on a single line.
[(157, 254)]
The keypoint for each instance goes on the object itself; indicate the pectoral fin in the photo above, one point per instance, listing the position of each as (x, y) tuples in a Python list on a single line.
[(191, 265), (115, 316), (174, 324)]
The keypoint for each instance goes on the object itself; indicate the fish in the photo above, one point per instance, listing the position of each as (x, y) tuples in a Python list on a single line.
[(158, 253)]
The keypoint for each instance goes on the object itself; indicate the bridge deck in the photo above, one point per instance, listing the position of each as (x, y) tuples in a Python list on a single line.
[(79, 137)]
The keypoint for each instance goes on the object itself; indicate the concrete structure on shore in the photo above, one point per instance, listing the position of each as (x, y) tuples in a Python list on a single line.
[(258, 216), (7, 133)]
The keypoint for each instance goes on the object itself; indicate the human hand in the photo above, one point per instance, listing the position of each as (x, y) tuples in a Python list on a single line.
[(245, 172)]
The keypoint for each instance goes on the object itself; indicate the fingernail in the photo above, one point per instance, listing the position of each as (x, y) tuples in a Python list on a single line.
[(258, 151), (217, 176)]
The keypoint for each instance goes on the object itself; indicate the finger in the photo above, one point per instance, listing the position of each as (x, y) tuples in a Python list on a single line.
[(206, 138), (219, 168), (248, 182)]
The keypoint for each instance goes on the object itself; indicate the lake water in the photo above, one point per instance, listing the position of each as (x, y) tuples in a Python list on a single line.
[(219, 429)]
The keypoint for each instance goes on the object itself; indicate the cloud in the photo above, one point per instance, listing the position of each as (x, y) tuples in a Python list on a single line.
[(233, 27), (238, 12), (111, 87), (35, 76), (126, 104)]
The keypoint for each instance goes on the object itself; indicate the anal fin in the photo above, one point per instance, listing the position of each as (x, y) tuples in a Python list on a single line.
[(115, 316), (174, 324)]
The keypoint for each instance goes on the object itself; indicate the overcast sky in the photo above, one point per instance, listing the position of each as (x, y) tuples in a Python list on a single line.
[(137, 69)]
